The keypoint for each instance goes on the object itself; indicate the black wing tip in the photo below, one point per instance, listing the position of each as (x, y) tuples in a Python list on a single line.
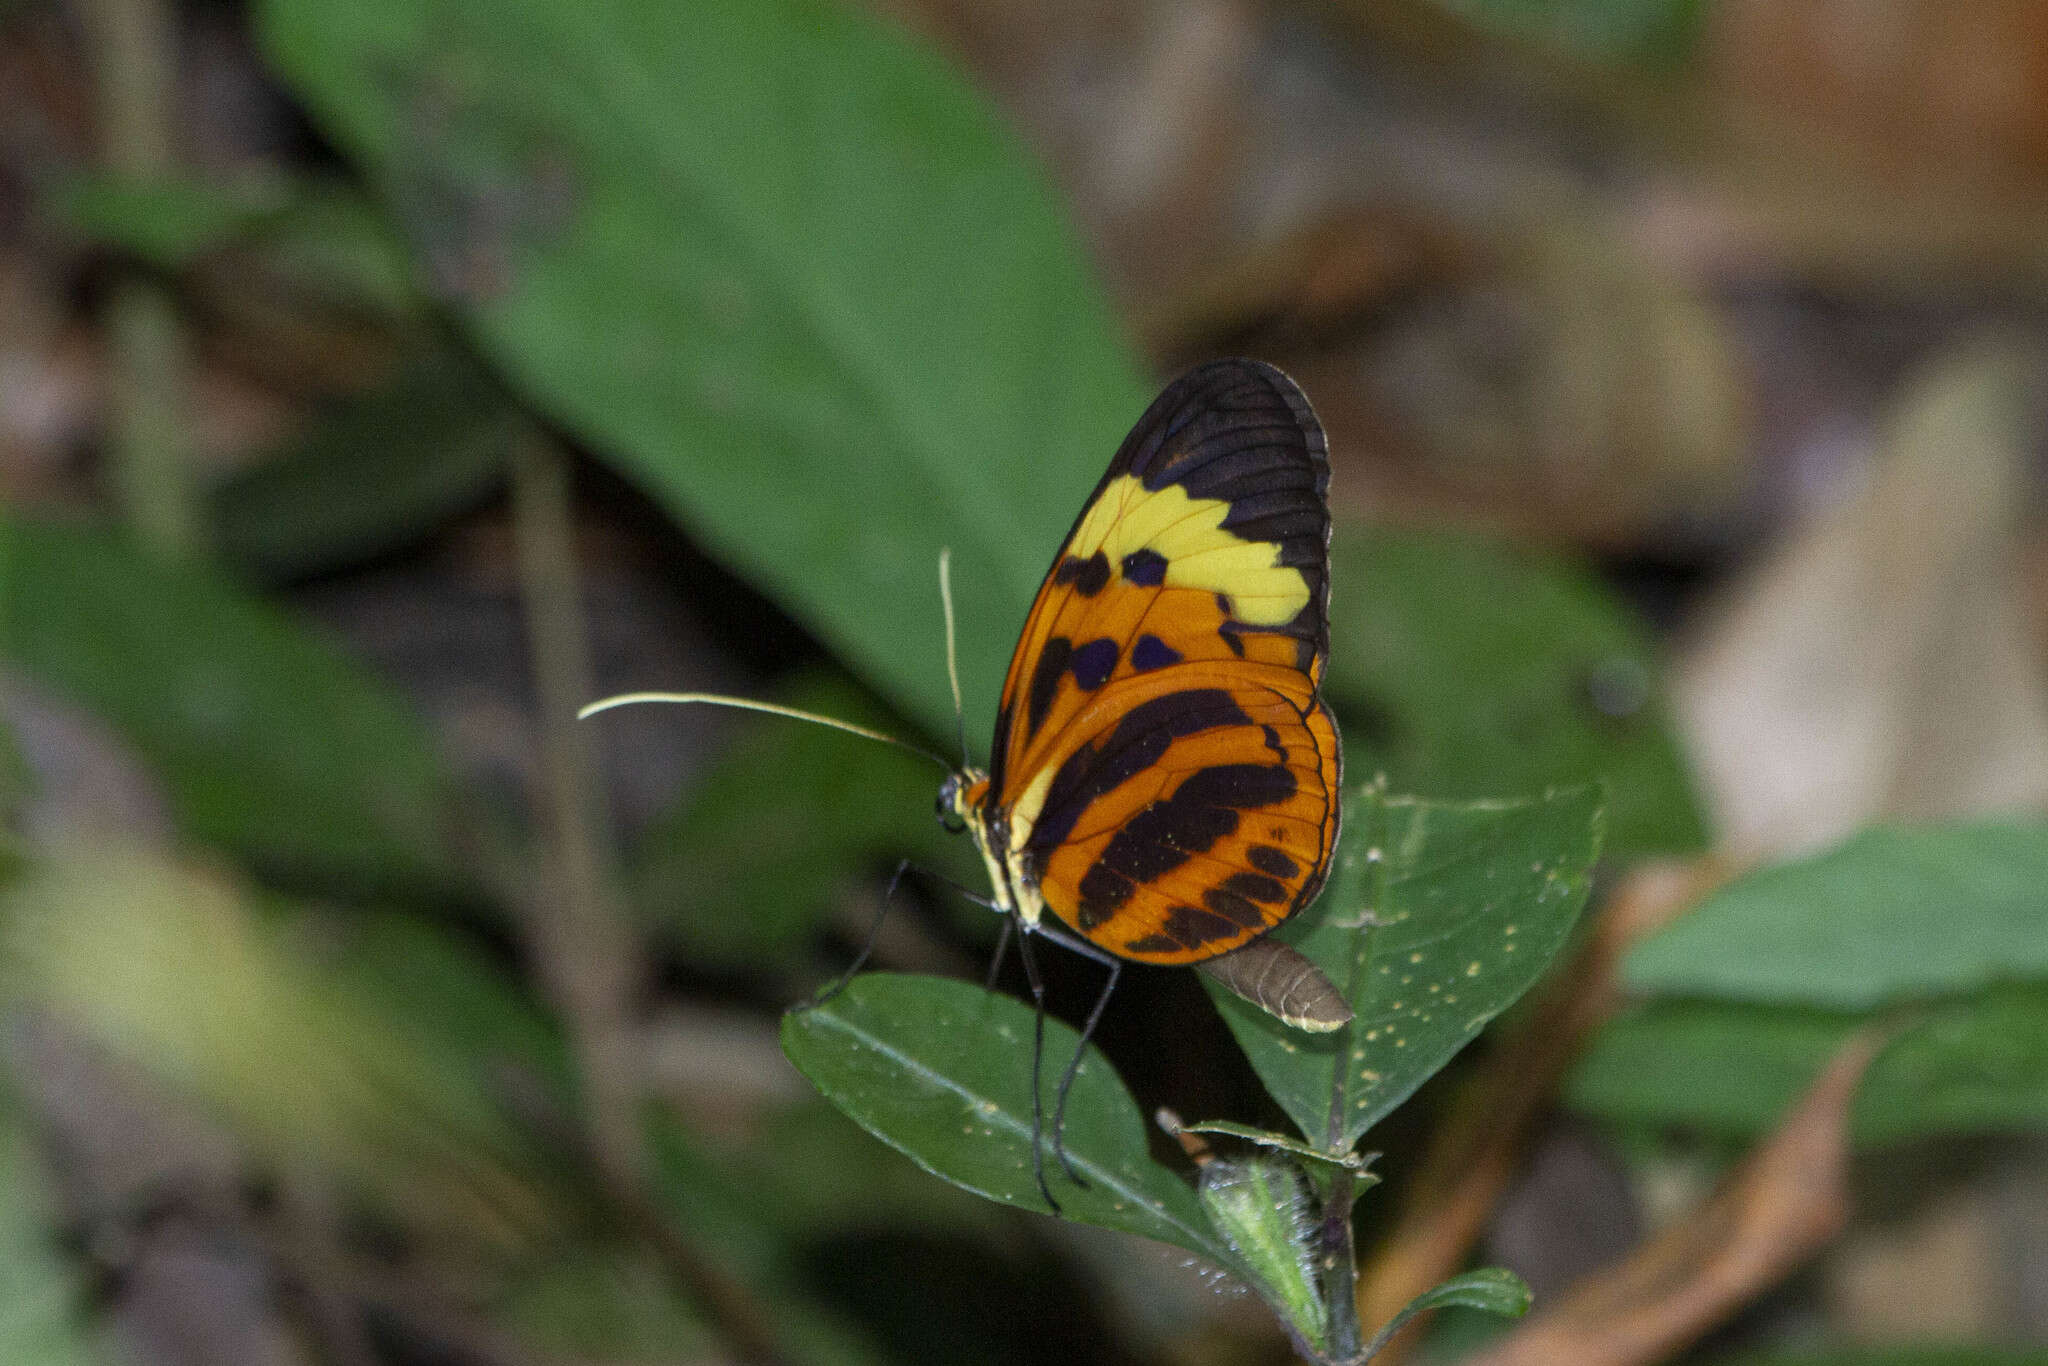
[(1225, 402)]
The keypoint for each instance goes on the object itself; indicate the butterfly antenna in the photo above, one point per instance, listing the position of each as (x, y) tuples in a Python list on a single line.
[(952, 652), (714, 699)]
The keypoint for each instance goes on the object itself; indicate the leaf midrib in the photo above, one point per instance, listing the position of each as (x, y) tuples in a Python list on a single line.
[(1016, 1128)]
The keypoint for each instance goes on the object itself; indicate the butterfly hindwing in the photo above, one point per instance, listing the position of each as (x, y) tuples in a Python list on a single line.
[(1167, 771), (1188, 812)]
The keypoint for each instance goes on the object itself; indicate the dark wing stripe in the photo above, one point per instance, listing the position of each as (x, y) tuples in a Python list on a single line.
[(1139, 741)]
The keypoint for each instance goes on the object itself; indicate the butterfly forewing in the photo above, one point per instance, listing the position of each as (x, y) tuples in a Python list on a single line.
[(1161, 755)]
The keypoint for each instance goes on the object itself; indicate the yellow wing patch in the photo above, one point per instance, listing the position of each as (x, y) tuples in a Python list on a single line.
[(1200, 552)]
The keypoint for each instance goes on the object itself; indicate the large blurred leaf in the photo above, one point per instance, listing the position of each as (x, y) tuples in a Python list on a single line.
[(173, 969), (942, 1070), (377, 472), (744, 865), (1465, 667), (465, 1012), (270, 743), (1439, 916), (1975, 1064), (42, 1322), (1890, 913), (775, 259)]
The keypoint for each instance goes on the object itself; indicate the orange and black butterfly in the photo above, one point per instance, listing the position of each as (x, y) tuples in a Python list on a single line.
[(1164, 774)]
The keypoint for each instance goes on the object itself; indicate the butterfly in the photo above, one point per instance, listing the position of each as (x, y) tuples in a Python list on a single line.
[(1164, 773), (1163, 782)]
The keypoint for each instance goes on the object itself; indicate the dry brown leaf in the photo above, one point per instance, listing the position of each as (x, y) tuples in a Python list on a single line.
[(1787, 1201), (1878, 664)]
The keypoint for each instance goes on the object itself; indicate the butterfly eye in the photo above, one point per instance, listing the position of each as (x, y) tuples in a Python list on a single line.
[(949, 806)]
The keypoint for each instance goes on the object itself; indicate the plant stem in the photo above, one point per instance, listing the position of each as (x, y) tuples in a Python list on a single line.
[(1337, 1258), (147, 448), (576, 932)]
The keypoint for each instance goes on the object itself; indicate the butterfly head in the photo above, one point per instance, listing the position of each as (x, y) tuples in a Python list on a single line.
[(964, 805), (960, 798)]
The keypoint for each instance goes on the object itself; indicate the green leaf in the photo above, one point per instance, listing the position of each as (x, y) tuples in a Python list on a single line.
[(1316, 1158), (1492, 1289), (375, 474), (1891, 913), (270, 742), (1439, 916), (1463, 667), (1262, 1210), (741, 869), (777, 261), (942, 1071), (1969, 1065), (42, 1320)]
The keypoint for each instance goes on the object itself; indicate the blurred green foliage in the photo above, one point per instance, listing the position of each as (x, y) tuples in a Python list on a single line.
[(740, 869), (271, 743), (768, 248), (782, 268), (374, 475), (1936, 933), (1891, 914), (42, 1303), (1976, 1064), (1463, 666)]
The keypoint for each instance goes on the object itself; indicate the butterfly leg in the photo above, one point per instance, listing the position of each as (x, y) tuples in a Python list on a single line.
[(1059, 1111), (995, 962), (867, 947), (1037, 984)]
